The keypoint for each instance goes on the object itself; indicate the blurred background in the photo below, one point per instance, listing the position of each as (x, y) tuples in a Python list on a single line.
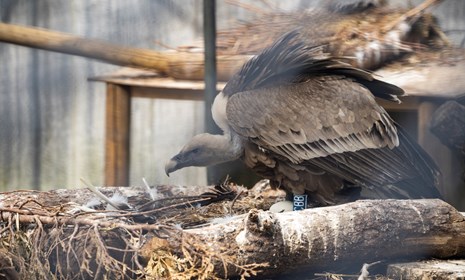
[(52, 118)]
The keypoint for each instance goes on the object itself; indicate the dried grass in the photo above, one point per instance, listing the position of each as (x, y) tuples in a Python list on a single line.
[(44, 235)]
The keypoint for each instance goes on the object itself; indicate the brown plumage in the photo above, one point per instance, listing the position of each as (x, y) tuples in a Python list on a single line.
[(310, 123)]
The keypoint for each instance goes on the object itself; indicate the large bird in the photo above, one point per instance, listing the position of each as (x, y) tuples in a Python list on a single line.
[(310, 124)]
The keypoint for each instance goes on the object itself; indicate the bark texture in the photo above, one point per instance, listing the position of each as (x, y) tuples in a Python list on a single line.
[(330, 239), (333, 238), (436, 269)]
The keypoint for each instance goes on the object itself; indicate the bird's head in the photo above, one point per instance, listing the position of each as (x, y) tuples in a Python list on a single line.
[(202, 150)]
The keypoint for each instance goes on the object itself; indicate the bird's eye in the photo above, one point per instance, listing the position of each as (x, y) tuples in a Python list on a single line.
[(194, 151)]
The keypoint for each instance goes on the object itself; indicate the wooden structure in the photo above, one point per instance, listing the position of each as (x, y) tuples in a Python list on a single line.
[(188, 65), (427, 86), (121, 87)]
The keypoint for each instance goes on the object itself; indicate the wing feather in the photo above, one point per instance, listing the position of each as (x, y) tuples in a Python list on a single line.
[(300, 109), (281, 118)]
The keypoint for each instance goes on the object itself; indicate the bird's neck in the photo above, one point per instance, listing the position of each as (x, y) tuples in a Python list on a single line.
[(230, 145), (227, 147)]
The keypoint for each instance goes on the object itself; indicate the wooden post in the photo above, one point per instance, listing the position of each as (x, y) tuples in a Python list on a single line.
[(117, 135)]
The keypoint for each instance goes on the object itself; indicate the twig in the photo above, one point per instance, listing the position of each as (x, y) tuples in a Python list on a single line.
[(70, 247), (327, 274), (30, 200), (161, 44), (245, 6), (269, 5), (160, 209), (411, 13), (28, 219), (234, 201), (100, 195)]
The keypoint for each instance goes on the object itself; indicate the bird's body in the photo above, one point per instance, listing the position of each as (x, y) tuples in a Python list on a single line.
[(311, 124)]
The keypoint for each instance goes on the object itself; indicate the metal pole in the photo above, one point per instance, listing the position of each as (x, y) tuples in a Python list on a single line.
[(209, 31)]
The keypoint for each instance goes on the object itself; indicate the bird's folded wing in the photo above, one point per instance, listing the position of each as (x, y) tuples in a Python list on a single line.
[(322, 116)]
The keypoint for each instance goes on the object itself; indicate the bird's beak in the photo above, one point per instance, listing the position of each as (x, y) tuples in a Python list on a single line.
[(170, 166)]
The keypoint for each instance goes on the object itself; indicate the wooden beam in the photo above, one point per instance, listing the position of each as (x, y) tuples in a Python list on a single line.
[(167, 93), (92, 48), (117, 135), (182, 65)]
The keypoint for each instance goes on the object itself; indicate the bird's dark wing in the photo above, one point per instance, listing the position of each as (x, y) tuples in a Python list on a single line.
[(292, 59), (312, 110), (322, 116), (317, 122), (334, 124)]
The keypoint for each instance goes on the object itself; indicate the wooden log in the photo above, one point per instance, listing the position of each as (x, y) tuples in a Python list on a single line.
[(340, 237), (182, 65), (92, 48), (434, 269), (136, 195), (428, 74), (448, 124)]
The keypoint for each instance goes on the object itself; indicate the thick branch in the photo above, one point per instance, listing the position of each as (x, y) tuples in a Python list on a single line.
[(175, 64), (91, 48), (333, 238)]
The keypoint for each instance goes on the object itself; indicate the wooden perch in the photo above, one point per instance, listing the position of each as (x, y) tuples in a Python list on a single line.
[(185, 65), (340, 237), (435, 74), (433, 269), (69, 44)]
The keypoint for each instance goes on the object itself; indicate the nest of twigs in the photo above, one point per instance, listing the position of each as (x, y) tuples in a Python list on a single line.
[(71, 234), (369, 37)]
